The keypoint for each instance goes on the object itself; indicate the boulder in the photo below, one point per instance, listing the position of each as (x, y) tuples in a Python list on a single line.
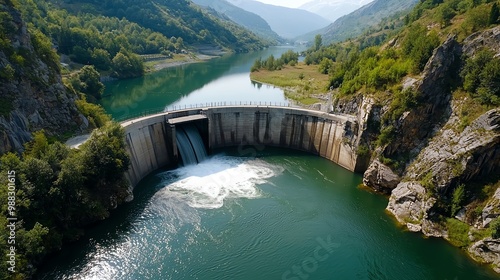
[(380, 177), (410, 203), (487, 251)]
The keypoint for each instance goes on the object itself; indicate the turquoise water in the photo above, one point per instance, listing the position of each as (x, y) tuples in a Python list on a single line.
[(273, 215), (225, 79), (279, 215)]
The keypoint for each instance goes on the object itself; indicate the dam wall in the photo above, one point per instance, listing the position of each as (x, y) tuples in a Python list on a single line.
[(150, 141)]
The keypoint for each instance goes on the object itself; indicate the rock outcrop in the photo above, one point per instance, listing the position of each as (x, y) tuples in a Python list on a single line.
[(487, 251), (380, 177), (416, 126), (489, 39), (454, 157), (33, 96), (491, 210), (437, 151)]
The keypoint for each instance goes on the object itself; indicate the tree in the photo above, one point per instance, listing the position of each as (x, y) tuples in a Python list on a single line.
[(494, 14), (104, 157), (127, 65), (90, 82), (325, 65), (101, 59), (457, 199), (318, 42), (445, 13)]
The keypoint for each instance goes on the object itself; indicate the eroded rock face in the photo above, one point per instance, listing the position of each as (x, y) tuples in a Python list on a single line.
[(409, 203), (492, 209), (419, 124), (452, 156), (412, 206), (380, 177), (484, 39), (35, 94), (488, 251)]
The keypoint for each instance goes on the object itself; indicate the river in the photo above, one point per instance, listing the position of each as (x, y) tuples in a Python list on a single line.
[(262, 213)]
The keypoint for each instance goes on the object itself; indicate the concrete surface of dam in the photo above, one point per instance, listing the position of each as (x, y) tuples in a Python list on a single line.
[(151, 140)]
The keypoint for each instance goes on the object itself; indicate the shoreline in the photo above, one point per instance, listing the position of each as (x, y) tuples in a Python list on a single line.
[(158, 65)]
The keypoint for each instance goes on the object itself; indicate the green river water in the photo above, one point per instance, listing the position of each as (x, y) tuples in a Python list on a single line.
[(258, 214)]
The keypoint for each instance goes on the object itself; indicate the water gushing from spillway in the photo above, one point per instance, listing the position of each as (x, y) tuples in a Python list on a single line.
[(190, 144)]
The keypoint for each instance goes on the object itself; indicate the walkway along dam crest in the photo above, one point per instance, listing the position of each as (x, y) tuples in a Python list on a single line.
[(151, 140)]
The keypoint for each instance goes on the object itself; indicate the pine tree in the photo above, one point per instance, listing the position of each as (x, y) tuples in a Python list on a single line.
[(494, 14)]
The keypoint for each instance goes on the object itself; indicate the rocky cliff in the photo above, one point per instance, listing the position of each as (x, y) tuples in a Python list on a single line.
[(436, 151), (32, 95)]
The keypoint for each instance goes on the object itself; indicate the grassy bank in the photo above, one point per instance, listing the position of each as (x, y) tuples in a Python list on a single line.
[(301, 82), (176, 60)]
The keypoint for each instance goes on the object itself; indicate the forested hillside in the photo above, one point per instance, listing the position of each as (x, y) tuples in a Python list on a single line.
[(172, 18), (110, 34), (427, 99), (357, 22), (52, 192)]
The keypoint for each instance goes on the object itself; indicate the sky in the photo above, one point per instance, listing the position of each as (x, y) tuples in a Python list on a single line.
[(286, 3)]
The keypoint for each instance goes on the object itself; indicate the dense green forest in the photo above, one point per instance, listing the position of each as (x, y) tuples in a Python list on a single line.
[(110, 34), (53, 191), (58, 191)]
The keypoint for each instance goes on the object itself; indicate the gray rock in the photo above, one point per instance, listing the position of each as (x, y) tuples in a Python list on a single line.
[(492, 209), (380, 177), (484, 39), (487, 251), (38, 98), (409, 203)]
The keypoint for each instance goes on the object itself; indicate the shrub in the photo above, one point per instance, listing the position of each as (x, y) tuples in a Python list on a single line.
[(386, 135), (495, 228), (457, 199), (458, 232)]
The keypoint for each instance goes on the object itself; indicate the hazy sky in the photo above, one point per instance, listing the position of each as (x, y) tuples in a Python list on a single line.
[(286, 3)]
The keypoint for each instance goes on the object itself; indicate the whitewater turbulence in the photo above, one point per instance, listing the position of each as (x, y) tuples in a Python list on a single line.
[(209, 183)]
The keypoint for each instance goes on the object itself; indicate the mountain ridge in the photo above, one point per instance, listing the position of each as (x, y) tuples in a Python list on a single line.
[(287, 22), (249, 20), (333, 9)]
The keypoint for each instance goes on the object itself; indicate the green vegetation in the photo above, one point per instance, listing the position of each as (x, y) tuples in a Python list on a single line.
[(300, 81), (457, 199), (5, 106), (60, 190), (458, 232), (495, 228), (109, 34), (386, 135), (481, 76), (87, 81), (271, 64), (427, 181)]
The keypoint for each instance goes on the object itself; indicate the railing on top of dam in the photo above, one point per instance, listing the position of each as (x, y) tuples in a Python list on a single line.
[(173, 108), (166, 109)]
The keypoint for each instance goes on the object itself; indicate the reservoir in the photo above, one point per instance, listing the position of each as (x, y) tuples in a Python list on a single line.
[(253, 213)]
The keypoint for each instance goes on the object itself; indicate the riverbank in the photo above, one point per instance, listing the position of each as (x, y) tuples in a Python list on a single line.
[(303, 84), (177, 60)]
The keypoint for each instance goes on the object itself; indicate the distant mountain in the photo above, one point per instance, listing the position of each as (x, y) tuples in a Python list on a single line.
[(333, 9), (353, 24), (242, 17), (287, 22)]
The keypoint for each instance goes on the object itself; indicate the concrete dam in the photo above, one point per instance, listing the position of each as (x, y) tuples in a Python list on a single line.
[(151, 140)]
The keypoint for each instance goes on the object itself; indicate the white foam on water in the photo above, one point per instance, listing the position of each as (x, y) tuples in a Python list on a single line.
[(209, 183)]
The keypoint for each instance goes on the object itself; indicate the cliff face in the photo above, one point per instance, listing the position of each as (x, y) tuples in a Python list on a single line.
[(437, 152), (31, 92)]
